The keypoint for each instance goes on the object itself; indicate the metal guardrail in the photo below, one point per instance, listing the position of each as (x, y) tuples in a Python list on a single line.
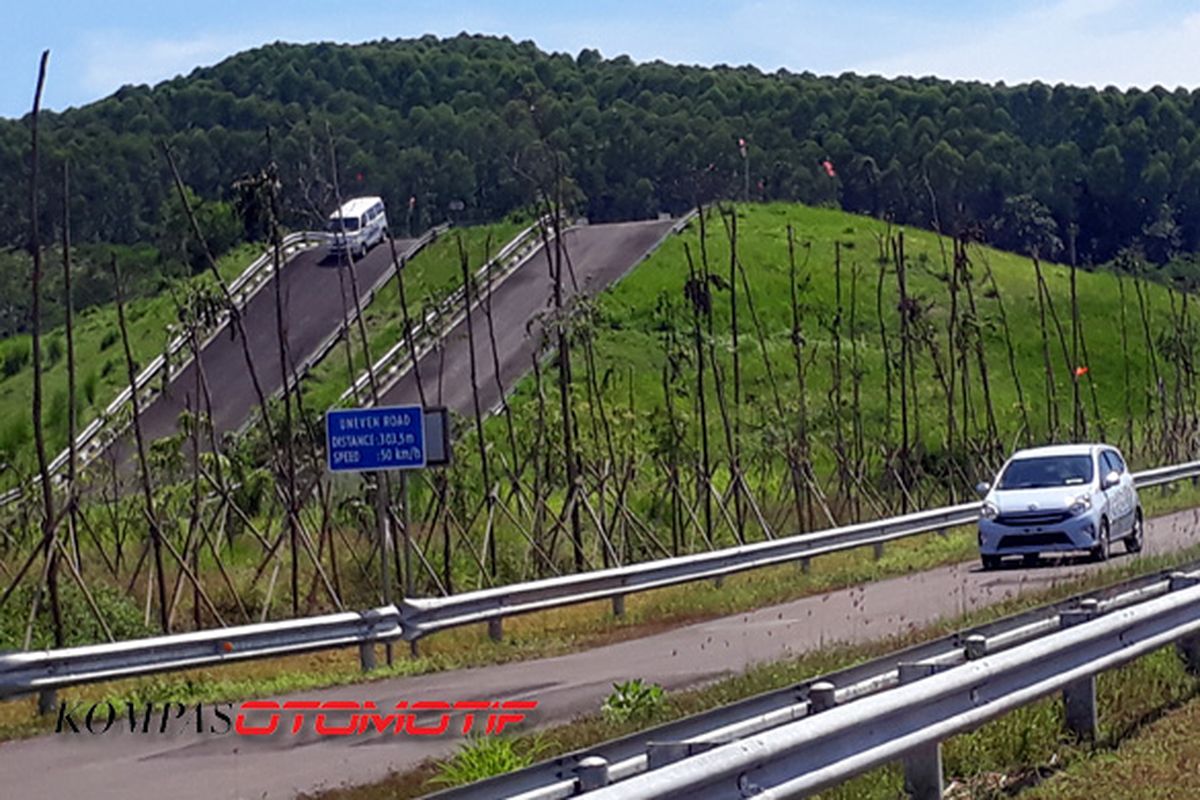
[(364, 299), (422, 617), (52, 669), (394, 364), (97, 435), (558, 778), (834, 743)]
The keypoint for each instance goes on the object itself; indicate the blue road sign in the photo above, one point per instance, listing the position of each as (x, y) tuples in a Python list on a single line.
[(368, 439)]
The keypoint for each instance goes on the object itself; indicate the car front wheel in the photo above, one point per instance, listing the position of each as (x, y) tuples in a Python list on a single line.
[(990, 562), (1133, 542), (1100, 551)]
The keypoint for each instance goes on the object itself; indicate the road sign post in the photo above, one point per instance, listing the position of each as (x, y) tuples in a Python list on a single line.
[(378, 440)]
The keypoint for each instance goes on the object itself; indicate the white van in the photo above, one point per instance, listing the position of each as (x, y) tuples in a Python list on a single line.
[(357, 226)]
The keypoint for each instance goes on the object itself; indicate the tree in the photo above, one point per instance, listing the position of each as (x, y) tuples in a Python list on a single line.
[(1027, 226), (1162, 236), (176, 238)]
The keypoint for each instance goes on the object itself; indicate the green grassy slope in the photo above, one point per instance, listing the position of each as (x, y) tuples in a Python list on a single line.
[(100, 363), (631, 326), (646, 314)]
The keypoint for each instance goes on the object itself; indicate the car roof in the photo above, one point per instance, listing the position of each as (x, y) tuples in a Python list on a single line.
[(1059, 450), (355, 207)]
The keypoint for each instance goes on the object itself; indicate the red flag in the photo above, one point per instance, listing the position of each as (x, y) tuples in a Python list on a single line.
[(829, 170), (359, 177), (1081, 371)]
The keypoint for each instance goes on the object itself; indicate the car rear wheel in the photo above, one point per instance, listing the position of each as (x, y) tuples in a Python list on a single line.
[(1100, 551), (1133, 542), (1030, 559)]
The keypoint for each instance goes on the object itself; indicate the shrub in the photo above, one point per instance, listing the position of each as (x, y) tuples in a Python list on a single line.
[(633, 700), (16, 356), (482, 757), (54, 351)]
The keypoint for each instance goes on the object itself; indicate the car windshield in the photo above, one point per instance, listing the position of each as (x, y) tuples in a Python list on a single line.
[(1048, 471), (339, 224)]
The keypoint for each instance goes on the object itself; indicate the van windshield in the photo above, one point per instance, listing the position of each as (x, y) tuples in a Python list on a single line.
[(339, 224), (1046, 472)]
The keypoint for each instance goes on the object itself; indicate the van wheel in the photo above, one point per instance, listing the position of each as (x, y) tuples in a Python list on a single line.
[(990, 562), (1133, 542), (1100, 551)]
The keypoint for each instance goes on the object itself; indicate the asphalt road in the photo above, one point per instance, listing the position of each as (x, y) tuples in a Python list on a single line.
[(598, 255), (190, 766), (312, 310)]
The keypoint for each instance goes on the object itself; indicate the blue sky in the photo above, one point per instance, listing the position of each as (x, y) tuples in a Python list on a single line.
[(96, 47)]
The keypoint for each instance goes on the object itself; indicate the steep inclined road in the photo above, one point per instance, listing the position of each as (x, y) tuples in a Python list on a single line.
[(312, 311), (188, 766), (598, 255)]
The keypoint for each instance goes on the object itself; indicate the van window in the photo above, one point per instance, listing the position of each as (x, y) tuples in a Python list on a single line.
[(339, 224)]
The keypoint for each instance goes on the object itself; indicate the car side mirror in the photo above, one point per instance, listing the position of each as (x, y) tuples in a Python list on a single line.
[(1110, 480), (982, 488)]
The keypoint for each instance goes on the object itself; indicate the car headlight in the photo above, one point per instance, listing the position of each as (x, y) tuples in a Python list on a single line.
[(989, 511), (1081, 504)]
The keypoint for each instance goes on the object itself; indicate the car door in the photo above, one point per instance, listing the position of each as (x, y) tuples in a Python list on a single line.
[(1128, 490), (1118, 496), (1112, 494)]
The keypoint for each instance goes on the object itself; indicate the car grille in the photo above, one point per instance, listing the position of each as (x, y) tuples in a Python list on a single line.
[(1034, 540), (1025, 518)]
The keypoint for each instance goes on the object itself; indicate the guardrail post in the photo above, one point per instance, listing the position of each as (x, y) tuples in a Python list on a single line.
[(822, 696), (366, 656), (47, 701), (496, 629), (975, 646), (592, 772), (618, 603), (878, 548), (923, 765), (1188, 647), (805, 566), (1079, 698)]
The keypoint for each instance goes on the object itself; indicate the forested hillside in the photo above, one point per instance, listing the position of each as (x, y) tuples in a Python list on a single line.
[(460, 120)]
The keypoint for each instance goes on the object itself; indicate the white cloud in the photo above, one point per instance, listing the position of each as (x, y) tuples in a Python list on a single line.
[(1084, 42), (112, 60)]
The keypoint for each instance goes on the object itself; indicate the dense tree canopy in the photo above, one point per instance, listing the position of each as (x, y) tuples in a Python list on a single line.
[(472, 119)]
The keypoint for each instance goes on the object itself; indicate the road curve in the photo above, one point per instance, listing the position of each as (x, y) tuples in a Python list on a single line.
[(189, 766), (598, 255), (312, 311)]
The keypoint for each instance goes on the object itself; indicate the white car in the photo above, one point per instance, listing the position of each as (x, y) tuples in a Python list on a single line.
[(357, 226), (1060, 498)]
